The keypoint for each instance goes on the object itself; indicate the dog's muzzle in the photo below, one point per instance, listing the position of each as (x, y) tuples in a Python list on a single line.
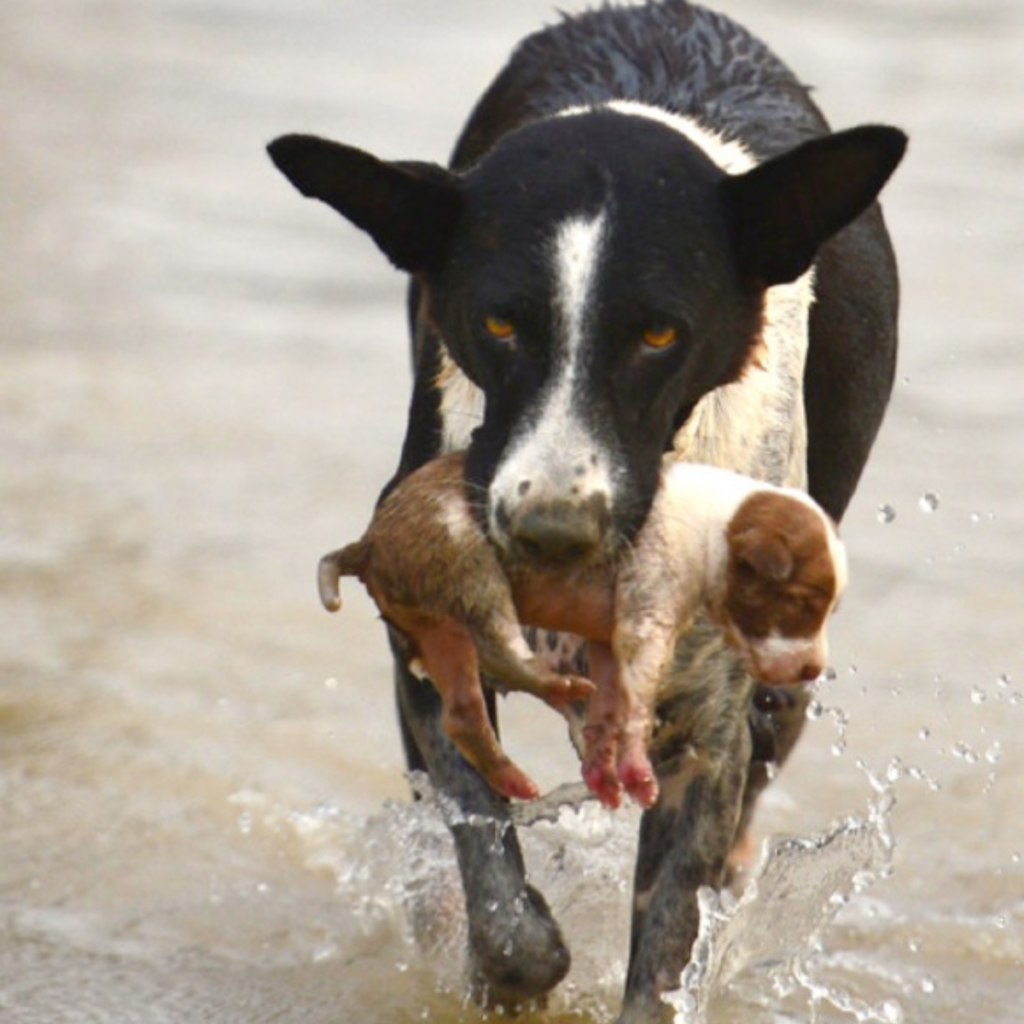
[(556, 532)]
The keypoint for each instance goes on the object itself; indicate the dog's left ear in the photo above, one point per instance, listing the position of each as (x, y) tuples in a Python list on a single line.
[(784, 209), (409, 209)]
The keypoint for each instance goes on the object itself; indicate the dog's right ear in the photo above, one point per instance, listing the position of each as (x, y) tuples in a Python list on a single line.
[(786, 208), (409, 209)]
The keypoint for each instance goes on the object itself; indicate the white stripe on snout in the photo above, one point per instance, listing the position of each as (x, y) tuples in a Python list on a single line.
[(776, 647), (784, 659), (555, 453)]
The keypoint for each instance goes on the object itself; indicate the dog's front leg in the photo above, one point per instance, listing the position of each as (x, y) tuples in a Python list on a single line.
[(686, 838), (515, 947)]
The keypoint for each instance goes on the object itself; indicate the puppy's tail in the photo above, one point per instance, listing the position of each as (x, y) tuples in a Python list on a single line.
[(350, 560)]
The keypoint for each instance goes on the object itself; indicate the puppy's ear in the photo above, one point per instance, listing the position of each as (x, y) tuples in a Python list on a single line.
[(764, 551), (784, 209), (409, 209)]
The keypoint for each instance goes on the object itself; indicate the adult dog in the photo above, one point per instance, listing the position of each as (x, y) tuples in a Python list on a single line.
[(648, 242)]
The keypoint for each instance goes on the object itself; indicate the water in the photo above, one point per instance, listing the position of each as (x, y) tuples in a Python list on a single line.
[(203, 814)]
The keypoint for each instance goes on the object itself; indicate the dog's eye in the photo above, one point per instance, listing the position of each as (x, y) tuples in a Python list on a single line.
[(502, 330), (660, 337)]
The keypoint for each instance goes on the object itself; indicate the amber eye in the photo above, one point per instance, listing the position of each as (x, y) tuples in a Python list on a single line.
[(503, 330), (659, 337)]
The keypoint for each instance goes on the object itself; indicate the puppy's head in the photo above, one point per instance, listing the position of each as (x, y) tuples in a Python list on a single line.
[(786, 572)]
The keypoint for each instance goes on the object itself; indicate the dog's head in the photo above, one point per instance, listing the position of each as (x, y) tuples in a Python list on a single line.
[(786, 572), (594, 275)]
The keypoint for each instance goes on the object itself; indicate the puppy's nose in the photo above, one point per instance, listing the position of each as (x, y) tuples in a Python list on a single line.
[(558, 532), (810, 671)]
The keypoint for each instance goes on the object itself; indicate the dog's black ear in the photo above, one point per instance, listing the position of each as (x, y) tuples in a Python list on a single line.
[(409, 209), (784, 209)]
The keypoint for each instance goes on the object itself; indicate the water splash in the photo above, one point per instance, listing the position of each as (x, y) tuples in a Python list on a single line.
[(775, 926), (397, 884)]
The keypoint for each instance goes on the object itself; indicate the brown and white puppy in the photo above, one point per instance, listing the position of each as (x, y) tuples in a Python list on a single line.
[(764, 562), (437, 580)]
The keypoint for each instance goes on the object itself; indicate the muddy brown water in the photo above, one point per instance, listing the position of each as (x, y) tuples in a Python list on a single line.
[(202, 387)]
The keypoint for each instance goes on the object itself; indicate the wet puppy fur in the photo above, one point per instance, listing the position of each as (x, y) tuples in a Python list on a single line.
[(601, 276), (765, 563)]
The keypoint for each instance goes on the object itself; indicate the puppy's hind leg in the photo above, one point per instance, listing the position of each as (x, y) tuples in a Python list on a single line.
[(448, 654), (507, 659)]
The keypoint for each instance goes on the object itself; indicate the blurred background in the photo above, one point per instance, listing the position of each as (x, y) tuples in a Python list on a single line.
[(203, 381)]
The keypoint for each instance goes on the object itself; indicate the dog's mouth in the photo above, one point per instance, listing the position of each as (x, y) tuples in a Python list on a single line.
[(555, 534)]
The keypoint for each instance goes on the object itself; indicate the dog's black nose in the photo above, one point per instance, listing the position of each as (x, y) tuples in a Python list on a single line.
[(558, 532)]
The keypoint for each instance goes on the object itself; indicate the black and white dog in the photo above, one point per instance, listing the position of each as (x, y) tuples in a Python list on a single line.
[(648, 243)]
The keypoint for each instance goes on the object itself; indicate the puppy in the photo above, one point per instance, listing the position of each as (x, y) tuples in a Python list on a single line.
[(764, 562)]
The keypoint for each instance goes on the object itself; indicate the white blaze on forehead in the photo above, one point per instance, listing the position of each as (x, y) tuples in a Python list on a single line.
[(576, 255), (555, 451)]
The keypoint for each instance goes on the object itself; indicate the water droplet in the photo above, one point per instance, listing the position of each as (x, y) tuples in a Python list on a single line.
[(838, 748), (830, 675), (245, 823), (928, 985), (815, 710), (885, 514), (1016, 698), (401, 966), (978, 695), (928, 502), (914, 945), (924, 733), (891, 1012), (965, 752), (1003, 681), (1000, 921), (994, 753)]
